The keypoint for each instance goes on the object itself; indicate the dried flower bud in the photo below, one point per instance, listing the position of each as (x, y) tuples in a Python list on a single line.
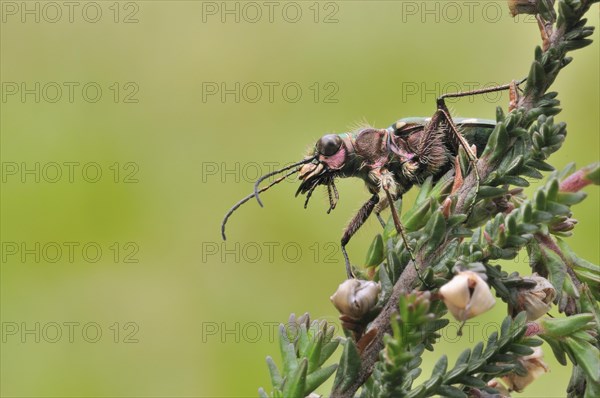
[(536, 301), (535, 368), (533, 329), (467, 295), (517, 7), (355, 297), (564, 225)]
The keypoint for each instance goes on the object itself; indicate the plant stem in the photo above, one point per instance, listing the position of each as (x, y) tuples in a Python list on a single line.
[(406, 281)]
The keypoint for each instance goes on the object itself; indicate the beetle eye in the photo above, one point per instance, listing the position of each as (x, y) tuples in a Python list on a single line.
[(329, 144)]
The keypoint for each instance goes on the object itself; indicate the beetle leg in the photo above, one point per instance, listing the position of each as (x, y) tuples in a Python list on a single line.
[(377, 176), (381, 206), (331, 188), (479, 91), (399, 227), (357, 221), (331, 204), (335, 192), (545, 30), (443, 114), (387, 184), (513, 95), (310, 192), (398, 224)]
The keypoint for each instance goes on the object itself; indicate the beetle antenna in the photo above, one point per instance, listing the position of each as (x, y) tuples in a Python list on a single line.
[(261, 179), (247, 198)]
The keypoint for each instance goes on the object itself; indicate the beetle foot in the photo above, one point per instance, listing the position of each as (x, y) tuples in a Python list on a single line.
[(513, 93)]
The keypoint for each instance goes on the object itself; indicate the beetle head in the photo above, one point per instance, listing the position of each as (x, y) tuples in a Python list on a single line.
[(330, 154), (318, 168)]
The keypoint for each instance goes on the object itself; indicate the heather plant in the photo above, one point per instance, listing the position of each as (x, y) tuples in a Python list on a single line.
[(459, 227)]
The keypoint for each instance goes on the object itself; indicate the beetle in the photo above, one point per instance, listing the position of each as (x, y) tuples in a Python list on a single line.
[(389, 161)]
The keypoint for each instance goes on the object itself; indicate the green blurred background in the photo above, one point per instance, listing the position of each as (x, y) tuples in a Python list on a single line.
[(181, 314)]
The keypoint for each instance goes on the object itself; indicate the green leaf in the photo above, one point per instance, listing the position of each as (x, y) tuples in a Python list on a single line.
[(455, 373), (505, 327), (294, 385), (314, 354), (472, 381), (477, 350), (491, 369), (437, 231), (386, 284), (592, 173), (425, 190), (440, 366), (491, 345), (328, 349), (536, 78), (587, 356), (463, 357), (375, 253), (514, 180), (540, 165), (348, 368), (570, 198), (490, 192), (276, 379), (557, 349), (315, 379), (520, 349), (518, 325), (302, 342), (288, 352), (559, 327), (499, 114), (416, 217), (450, 392), (498, 141)]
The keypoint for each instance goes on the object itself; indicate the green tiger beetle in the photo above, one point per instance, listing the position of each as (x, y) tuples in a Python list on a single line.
[(391, 160)]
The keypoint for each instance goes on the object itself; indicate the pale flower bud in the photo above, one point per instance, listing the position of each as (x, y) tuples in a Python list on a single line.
[(355, 297), (467, 295), (502, 391), (535, 368), (537, 300)]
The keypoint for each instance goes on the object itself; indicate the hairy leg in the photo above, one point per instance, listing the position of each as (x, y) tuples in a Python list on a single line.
[(357, 221), (381, 206)]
